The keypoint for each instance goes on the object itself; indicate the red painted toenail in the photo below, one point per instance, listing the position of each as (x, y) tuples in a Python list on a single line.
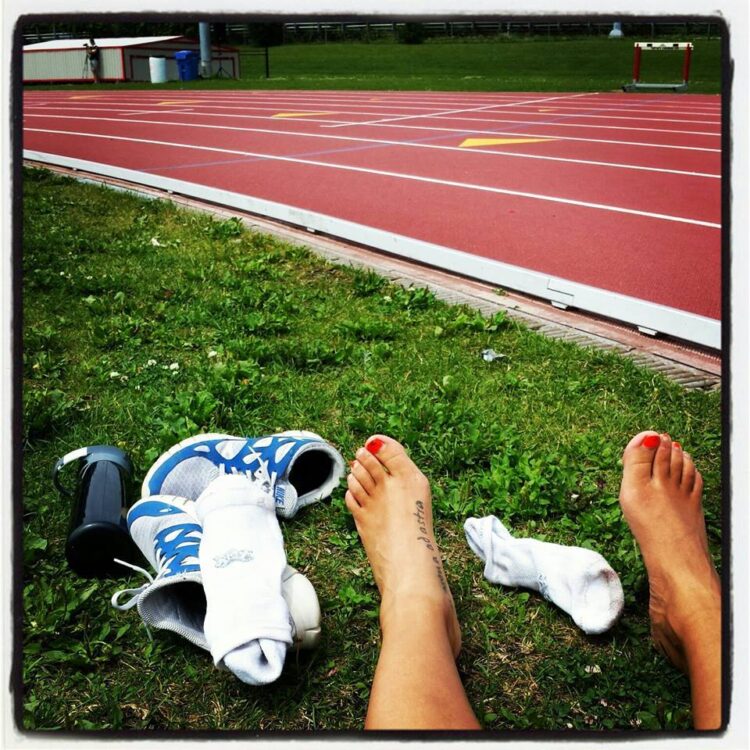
[(676, 445), (651, 441), (374, 445)]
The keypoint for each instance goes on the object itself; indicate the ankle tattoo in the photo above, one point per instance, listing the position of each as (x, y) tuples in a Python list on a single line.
[(422, 526)]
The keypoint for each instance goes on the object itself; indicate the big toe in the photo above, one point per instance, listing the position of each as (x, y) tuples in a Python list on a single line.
[(638, 457), (390, 453)]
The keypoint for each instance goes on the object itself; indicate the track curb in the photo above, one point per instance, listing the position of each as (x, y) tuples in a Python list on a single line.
[(691, 367)]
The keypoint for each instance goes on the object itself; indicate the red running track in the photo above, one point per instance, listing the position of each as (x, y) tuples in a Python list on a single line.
[(620, 192)]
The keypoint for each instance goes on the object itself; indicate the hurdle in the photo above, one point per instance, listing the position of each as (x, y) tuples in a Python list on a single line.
[(639, 47)]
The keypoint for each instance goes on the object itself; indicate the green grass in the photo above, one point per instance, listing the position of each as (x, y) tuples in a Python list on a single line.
[(113, 283), (536, 64)]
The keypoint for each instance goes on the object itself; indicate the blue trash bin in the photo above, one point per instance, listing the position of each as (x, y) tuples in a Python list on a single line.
[(187, 64)]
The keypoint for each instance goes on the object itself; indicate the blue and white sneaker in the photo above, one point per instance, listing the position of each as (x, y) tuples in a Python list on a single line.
[(300, 467), (169, 538), (168, 534)]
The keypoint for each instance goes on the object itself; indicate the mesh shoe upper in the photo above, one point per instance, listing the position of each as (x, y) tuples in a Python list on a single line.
[(300, 466), (169, 538)]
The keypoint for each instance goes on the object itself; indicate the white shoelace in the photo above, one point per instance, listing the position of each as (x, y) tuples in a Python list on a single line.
[(136, 592), (260, 474), (162, 563)]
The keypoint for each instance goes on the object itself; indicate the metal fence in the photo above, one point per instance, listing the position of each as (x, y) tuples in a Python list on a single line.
[(32, 37), (324, 31)]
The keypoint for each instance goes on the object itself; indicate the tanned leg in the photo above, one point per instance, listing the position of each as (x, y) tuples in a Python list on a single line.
[(661, 501), (416, 683)]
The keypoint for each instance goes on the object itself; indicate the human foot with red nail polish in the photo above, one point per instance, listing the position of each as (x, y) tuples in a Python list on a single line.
[(391, 502), (661, 499), (416, 683)]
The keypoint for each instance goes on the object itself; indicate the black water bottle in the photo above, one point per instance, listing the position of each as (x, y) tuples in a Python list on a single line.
[(98, 529)]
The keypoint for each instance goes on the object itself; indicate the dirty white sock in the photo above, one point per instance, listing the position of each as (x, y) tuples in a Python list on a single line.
[(578, 580), (248, 627)]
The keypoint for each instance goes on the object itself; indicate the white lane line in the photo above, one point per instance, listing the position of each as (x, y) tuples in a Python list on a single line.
[(623, 117), (445, 115), (385, 142), (517, 134), (556, 124), (398, 175), (144, 112), (458, 111), (318, 101), (363, 102)]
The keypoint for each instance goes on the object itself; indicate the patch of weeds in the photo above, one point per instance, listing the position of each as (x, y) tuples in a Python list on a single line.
[(473, 320), (457, 500), (183, 414), (528, 485), (345, 539), (46, 412), (262, 264), (368, 329), (411, 299), (43, 337), (305, 356), (367, 283), (228, 381), (350, 601), (200, 272), (43, 365), (265, 323), (34, 546), (111, 332), (226, 229)]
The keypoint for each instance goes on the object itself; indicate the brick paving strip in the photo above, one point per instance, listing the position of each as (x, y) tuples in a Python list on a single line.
[(689, 366)]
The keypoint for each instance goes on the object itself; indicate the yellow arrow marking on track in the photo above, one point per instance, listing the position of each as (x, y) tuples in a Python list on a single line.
[(472, 142), (85, 96), (302, 114), (548, 109)]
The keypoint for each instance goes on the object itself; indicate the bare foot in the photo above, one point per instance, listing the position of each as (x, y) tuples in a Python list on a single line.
[(391, 502), (660, 498)]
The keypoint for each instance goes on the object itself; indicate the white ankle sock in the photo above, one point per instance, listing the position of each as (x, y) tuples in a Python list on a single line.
[(578, 580), (242, 559)]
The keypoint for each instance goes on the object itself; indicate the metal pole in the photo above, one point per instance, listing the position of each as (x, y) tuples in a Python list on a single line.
[(686, 64), (636, 64), (204, 33)]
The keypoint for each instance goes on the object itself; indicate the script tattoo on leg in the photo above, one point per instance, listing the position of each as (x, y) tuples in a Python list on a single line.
[(421, 524)]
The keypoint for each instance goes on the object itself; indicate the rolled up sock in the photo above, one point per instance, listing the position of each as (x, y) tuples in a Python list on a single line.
[(248, 627), (258, 662), (578, 580)]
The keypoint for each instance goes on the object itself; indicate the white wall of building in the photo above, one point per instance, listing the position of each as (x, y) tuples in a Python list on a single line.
[(71, 64), (128, 61)]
